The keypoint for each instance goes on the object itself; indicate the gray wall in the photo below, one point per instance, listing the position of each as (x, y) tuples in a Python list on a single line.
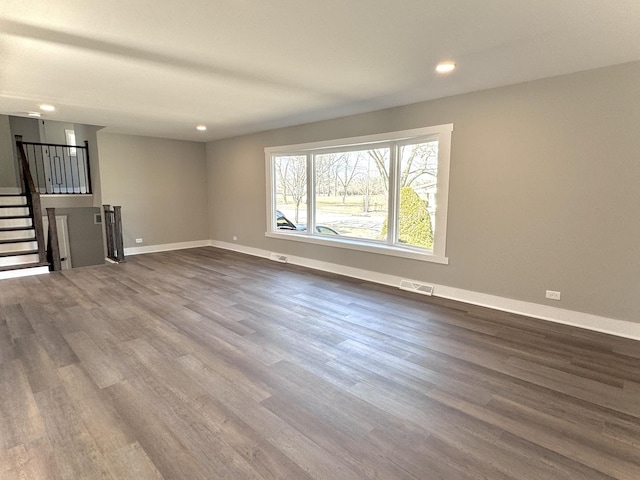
[(85, 236), (8, 178), (90, 134), (54, 132), (160, 184), (27, 127), (543, 190)]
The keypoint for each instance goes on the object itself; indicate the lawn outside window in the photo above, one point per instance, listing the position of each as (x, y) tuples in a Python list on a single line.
[(385, 193)]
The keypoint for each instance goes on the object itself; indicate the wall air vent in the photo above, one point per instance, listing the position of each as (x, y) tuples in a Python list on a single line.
[(416, 287), (278, 257)]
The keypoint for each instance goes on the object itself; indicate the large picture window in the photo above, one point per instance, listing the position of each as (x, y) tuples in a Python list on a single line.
[(382, 193)]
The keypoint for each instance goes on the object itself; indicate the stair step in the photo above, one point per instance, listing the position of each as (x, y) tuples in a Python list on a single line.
[(18, 246), (17, 233), (13, 211), (18, 240), (18, 200), (15, 222), (23, 266), (26, 252), (23, 270), (21, 258)]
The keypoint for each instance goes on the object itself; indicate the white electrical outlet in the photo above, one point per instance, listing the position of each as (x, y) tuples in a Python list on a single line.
[(138, 240), (235, 238), (553, 295)]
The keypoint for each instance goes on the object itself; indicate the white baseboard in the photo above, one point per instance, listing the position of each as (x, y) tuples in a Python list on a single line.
[(23, 272), (256, 252), (166, 247), (620, 328)]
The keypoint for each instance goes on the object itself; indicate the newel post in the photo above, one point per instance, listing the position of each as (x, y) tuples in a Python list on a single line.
[(53, 249), (108, 229), (117, 225)]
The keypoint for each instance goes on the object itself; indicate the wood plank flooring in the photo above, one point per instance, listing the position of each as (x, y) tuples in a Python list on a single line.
[(206, 364)]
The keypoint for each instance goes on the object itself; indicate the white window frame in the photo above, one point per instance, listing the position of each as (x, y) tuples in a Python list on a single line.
[(387, 247)]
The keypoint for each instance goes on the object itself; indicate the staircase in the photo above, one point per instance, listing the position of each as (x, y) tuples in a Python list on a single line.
[(19, 253)]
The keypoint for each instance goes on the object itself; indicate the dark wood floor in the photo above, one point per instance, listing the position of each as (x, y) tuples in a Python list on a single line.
[(205, 364)]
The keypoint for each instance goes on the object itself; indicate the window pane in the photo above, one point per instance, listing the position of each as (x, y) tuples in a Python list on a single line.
[(291, 192), (352, 193), (418, 174)]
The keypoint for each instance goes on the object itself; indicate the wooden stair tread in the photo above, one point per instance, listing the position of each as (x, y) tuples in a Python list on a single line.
[(15, 254), (11, 229), (17, 240)]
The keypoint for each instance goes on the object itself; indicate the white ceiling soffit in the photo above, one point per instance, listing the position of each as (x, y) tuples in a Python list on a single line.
[(160, 67)]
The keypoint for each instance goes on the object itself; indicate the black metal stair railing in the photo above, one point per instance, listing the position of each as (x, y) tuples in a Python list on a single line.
[(51, 255), (59, 169), (113, 230)]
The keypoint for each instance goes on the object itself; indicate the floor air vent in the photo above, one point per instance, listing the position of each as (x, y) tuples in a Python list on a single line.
[(277, 257), (421, 288)]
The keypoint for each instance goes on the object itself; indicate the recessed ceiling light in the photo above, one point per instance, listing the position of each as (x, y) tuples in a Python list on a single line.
[(45, 107), (202, 128), (445, 67), (34, 114)]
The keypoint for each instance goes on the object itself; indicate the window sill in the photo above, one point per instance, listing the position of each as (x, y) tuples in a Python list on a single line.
[(353, 244)]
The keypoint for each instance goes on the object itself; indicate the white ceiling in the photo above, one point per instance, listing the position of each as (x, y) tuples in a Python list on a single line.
[(159, 67)]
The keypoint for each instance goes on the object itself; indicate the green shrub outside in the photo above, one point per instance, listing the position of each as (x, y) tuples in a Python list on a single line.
[(414, 226)]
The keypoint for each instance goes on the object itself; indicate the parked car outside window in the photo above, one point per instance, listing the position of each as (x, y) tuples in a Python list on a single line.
[(283, 223)]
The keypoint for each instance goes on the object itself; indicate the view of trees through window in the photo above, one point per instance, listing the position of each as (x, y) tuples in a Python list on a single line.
[(352, 191), (291, 181)]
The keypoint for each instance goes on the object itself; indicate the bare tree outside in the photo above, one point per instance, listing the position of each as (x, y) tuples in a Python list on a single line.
[(291, 174), (350, 193), (282, 171), (369, 185), (418, 160), (325, 174), (346, 170)]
